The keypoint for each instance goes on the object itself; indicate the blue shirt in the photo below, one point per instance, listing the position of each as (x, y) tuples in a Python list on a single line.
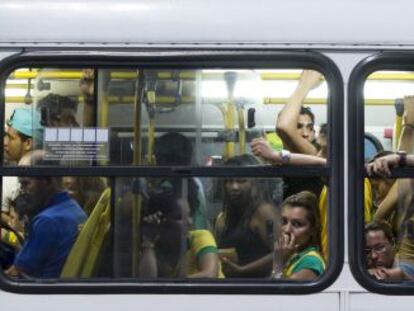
[(53, 233)]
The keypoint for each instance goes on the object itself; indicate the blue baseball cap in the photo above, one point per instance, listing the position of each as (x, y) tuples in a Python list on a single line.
[(27, 122)]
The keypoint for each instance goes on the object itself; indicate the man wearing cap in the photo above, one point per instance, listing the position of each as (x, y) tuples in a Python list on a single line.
[(24, 130), (23, 133)]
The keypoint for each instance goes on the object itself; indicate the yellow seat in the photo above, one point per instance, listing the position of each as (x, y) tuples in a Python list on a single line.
[(83, 257)]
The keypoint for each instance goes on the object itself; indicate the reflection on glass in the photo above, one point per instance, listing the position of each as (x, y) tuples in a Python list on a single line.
[(389, 114), (82, 117), (389, 234), (66, 227)]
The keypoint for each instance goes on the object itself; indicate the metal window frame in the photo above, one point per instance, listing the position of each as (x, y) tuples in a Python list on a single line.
[(382, 61), (195, 59)]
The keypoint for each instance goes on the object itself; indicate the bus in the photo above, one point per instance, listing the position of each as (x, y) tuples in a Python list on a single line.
[(140, 109)]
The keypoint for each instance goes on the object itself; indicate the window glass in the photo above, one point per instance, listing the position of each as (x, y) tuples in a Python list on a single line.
[(166, 172), (144, 228), (81, 117), (389, 124)]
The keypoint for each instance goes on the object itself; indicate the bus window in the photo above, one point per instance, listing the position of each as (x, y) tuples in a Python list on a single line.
[(220, 175), (84, 115), (384, 198)]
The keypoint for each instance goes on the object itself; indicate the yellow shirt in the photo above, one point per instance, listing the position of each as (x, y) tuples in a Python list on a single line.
[(200, 242), (323, 211)]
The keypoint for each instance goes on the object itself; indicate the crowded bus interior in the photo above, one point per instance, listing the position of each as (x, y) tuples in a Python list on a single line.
[(219, 226)]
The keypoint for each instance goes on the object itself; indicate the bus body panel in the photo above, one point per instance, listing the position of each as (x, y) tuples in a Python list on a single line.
[(105, 22)]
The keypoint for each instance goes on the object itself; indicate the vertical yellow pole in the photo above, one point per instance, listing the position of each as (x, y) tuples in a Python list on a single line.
[(242, 131), (230, 78), (229, 122), (151, 127), (399, 111)]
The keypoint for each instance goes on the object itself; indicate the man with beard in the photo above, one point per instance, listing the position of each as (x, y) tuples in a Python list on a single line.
[(54, 224)]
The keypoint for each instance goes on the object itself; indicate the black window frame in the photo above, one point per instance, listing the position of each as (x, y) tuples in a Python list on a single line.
[(403, 61), (195, 59)]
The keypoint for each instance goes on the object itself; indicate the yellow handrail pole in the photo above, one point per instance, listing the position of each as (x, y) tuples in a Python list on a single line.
[(190, 75), (399, 111), (151, 127), (230, 78), (229, 125), (242, 130)]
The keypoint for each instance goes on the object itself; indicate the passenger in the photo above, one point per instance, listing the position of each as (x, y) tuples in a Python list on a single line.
[(23, 134), (380, 190), (382, 167), (322, 141), (174, 149), (295, 126), (295, 123), (84, 190), (87, 90), (168, 248), (54, 225), (261, 148), (58, 111), (241, 229), (381, 250), (13, 233), (387, 208), (299, 245)]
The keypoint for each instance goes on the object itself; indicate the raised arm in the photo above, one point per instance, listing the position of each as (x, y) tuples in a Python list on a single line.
[(288, 119)]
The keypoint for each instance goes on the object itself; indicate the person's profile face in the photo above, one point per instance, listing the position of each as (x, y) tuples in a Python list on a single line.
[(14, 146)]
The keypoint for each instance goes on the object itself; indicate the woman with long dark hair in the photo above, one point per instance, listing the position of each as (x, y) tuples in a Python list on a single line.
[(244, 229)]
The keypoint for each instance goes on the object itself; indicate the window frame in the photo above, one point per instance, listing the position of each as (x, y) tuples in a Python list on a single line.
[(195, 59), (403, 61)]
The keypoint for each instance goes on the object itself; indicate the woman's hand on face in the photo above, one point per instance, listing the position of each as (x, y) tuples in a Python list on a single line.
[(286, 246)]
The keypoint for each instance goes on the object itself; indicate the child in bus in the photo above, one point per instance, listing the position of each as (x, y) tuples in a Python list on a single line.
[(241, 228), (298, 248)]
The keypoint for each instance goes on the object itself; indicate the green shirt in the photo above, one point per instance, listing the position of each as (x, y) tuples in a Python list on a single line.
[(309, 259)]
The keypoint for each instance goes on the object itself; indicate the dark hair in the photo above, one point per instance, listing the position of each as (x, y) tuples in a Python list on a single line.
[(23, 205), (307, 111), (52, 106), (233, 215), (309, 202), (381, 225), (173, 149), (323, 129)]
